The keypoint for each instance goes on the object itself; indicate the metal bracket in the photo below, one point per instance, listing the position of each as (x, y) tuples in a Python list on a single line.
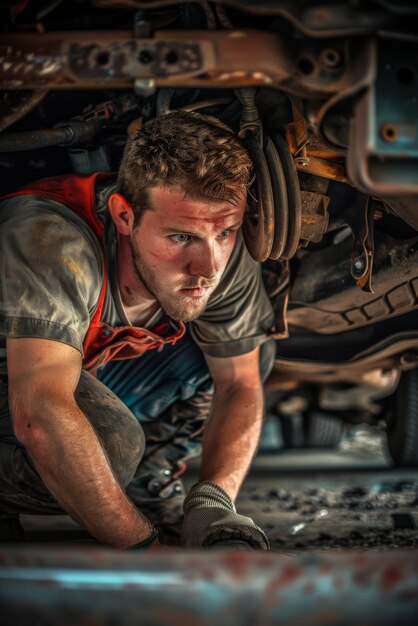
[(360, 220)]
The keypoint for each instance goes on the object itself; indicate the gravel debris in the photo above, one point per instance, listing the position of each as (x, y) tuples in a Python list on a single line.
[(337, 517)]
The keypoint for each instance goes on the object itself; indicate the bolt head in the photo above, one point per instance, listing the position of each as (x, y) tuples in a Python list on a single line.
[(144, 87), (145, 57)]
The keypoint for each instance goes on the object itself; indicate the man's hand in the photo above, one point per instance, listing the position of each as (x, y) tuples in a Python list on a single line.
[(211, 521), (229, 442)]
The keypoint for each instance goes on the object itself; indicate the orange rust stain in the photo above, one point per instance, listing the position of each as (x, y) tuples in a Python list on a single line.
[(390, 577), (237, 564), (288, 574), (70, 263)]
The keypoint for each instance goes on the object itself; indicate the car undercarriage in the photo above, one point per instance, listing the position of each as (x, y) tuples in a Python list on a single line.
[(324, 95)]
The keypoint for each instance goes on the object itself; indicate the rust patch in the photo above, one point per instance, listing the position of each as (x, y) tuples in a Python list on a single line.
[(237, 565), (391, 576), (288, 575)]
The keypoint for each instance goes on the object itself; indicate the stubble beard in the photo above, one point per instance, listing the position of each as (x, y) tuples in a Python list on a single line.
[(177, 307)]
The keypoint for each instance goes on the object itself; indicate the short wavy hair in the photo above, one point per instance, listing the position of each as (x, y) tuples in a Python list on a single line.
[(197, 153)]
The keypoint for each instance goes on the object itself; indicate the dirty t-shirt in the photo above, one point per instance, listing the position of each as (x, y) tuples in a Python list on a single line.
[(51, 273)]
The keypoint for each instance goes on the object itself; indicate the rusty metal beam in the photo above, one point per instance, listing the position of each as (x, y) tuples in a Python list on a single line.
[(233, 58), (89, 585), (313, 19)]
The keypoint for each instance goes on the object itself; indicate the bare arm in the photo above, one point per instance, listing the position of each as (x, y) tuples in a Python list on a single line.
[(233, 430), (62, 444)]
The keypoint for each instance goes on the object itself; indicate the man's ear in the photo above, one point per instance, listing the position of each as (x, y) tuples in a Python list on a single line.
[(122, 213)]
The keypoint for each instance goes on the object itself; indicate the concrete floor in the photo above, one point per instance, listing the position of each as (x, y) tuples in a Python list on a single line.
[(310, 499), (323, 499)]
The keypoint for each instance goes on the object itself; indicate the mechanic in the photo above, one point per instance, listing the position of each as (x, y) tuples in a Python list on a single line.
[(133, 301)]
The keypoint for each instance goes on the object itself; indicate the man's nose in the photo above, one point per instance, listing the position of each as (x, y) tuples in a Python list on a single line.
[(204, 263)]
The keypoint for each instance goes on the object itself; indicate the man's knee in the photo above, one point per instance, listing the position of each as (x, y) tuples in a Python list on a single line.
[(119, 432)]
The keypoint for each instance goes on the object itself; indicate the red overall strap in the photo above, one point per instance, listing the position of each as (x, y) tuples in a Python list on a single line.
[(102, 343)]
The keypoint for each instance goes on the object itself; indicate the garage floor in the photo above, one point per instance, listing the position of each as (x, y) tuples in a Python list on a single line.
[(343, 527), (309, 499), (351, 497)]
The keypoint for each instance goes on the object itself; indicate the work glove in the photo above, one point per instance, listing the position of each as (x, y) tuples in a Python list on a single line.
[(211, 521)]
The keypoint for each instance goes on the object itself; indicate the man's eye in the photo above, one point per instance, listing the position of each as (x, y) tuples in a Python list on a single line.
[(224, 233), (180, 237)]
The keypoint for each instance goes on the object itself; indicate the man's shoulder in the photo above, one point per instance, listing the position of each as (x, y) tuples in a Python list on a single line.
[(34, 216)]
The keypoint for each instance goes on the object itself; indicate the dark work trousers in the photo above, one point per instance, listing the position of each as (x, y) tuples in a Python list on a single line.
[(169, 392), (21, 488)]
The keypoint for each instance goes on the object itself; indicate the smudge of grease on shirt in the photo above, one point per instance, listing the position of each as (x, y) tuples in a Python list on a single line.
[(70, 263)]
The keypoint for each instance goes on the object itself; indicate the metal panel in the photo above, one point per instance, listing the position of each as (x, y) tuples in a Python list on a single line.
[(233, 58), (90, 585)]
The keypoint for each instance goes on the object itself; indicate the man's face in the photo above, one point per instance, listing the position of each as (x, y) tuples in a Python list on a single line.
[(181, 247)]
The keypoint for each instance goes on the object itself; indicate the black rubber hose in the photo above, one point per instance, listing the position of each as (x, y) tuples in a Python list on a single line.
[(69, 134)]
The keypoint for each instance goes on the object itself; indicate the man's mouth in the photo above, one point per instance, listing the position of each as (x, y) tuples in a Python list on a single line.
[(196, 291)]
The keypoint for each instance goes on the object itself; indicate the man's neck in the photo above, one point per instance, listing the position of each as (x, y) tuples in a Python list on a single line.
[(140, 314), (138, 303)]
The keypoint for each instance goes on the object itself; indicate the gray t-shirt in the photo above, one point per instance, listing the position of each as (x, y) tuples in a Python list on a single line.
[(51, 273)]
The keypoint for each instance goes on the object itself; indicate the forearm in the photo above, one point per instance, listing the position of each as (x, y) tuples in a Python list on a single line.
[(231, 437), (73, 465)]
